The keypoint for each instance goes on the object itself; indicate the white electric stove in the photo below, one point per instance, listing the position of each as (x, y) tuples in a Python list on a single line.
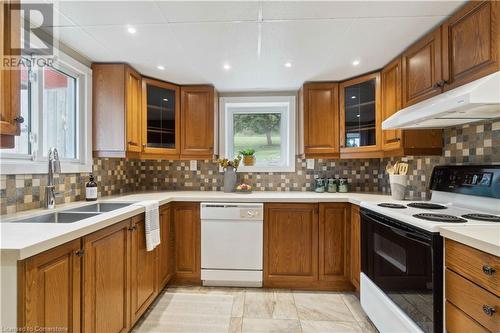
[(401, 278)]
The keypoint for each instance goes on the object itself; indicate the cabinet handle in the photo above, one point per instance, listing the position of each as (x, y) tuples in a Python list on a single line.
[(488, 270), (80, 253), (489, 310), (132, 143), (19, 119), (132, 228), (440, 84)]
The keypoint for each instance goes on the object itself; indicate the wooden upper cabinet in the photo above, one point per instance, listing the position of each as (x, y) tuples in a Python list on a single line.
[(391, 101), (116, 99), (143, 270), (421, 65), (10, 80), (321, 120), (187, 229), (106, 276), (471, 43), (50, 289), (160, 118), (360, 117), (290, 245), (133, 95), (198, 110), (334, 240)]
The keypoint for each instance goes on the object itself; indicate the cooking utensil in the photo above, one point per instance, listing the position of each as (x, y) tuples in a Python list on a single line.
[(403, 168), (389, 169)]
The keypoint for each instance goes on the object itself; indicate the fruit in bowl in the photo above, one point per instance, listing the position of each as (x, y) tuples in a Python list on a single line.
[(244, 187)]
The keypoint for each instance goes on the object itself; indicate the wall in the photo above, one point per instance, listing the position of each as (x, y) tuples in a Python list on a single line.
[(470, 144)]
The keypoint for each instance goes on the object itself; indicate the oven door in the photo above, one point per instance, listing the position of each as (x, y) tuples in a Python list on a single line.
[(400, 260)]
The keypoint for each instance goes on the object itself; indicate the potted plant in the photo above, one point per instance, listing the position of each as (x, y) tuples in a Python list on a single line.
[(248, 156), (229, 167)]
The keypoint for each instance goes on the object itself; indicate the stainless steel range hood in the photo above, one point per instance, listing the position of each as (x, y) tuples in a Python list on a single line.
[(475, 101)]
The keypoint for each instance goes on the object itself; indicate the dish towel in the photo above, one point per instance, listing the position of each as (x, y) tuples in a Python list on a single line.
[(152, 223)]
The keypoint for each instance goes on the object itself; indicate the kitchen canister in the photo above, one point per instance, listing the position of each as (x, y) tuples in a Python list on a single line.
[(319, 185), (343, 187), (332, 185), (398, 186), (229, 179)]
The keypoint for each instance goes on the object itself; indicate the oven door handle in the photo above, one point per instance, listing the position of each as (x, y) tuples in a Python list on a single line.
[(404, 233)]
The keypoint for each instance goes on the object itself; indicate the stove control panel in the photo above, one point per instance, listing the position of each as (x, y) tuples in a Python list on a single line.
[(470, 180)]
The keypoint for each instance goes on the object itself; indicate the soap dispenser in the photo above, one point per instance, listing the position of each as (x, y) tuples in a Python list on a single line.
[(91, 189)]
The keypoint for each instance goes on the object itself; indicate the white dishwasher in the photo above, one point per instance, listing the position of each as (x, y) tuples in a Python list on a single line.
[(232, 244)]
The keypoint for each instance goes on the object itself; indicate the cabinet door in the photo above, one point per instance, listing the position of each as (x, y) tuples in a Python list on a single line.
[(106, 286), (391, 102), (334, 239), (165, 249), (360, 116), (10, 81), (161, 118), (133, 95), (197, 122), (471, 43), (142, 269), (321, 120), (290, 245), (50, 289), (422, 77), (355, 246), (187, 226)]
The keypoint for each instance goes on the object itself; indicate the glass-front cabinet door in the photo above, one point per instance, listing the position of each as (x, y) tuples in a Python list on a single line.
[(360, 117), (161, 117)]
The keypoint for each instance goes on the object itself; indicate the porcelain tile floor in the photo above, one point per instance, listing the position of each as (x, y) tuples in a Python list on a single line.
[(245, 310)]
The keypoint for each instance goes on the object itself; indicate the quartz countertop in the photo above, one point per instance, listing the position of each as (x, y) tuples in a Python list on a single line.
[(482, 237), (22, 240)]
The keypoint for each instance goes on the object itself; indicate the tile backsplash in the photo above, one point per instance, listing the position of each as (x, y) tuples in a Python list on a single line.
[(469, 144)]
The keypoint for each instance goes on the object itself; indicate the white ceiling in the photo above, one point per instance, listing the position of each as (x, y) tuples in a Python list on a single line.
[(193, 40)]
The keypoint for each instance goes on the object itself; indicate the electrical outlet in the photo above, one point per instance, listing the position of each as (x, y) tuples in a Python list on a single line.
[(193, 165), (310, 164)]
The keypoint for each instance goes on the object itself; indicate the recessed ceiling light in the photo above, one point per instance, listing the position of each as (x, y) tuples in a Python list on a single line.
[(131, 29), (288, 64), (160, 67), (227, 67), (356, 62)]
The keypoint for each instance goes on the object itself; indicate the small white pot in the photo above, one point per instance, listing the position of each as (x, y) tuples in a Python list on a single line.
[(398, 186)]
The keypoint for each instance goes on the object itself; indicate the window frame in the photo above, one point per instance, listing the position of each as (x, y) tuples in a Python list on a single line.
[(287, 129), (36, 163)]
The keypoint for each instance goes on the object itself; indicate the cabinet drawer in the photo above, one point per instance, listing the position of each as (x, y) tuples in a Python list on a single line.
[(457, 321), (472, 300), (479, 267)]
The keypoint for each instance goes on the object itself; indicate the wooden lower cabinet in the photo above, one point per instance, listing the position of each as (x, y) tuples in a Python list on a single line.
[(355, 246), (166, 248), (306, 246), (471, 289), (142, 270), (49, 293), (187, 229), (334, 238), (290, 245), (106, 289)]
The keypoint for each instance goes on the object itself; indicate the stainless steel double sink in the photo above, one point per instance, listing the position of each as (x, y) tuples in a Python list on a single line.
[(74, 214)]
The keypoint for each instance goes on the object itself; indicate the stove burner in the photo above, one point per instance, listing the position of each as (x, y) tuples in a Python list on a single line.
[(426, 205), (482, 217), (440, 218), (391, 205)]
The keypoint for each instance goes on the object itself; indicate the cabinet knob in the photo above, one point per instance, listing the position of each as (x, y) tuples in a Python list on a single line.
[(80, 253), (132, 228), (440, 84), (488, 270), (19, 119), (489, 310), (132, 143)]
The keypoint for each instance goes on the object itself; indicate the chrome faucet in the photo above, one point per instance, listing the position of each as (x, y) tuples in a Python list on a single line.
[(54, 167)]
